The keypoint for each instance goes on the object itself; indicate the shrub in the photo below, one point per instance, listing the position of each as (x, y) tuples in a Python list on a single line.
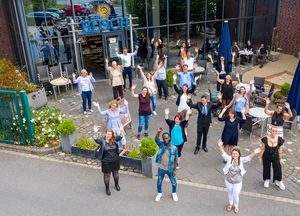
[(67, 127), (169, 78), (134, 153), (285, 88), (45, 123), (13, 79), (86, 144), (278, 95), (148, 147)]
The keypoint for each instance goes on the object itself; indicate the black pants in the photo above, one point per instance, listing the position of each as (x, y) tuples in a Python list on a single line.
[(202, 130), (277, 174), (127, 70), (117, 91), (162, 84)]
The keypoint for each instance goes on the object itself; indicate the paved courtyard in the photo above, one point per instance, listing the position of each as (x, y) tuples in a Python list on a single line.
[(204, 168)]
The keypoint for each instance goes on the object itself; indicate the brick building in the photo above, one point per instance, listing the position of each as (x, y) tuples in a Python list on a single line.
[(289, 27)]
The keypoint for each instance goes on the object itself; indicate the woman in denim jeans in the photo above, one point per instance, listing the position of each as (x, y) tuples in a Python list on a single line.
[(149, 80), (85, 88), (144, 108), (166, 157)]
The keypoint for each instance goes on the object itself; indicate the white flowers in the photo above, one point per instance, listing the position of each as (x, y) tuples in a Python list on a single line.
[(59, 118), (49, 130), (46, 146), (53, 114), (32, 120), (39, 118)]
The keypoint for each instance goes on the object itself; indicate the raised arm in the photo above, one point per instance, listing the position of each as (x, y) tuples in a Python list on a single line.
[(165, 62), (190, 103), (221, 81), (251, 88), (159, 130), (106, 64), (174, 84), (256, 151), (222, 113), (237, 75), (290, 113), (102, 113), (74, 78), (267, 111), (142, 73), (135, 52), (197, 53), (117, 52), (225, 156), (132, 91)]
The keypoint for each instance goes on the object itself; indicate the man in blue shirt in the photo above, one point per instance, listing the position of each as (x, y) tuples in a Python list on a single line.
[(167, 156), (185, 77), (47, 52)]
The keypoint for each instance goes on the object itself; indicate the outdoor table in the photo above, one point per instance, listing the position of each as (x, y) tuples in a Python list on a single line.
[(199, 70), (246, 85), (259, 113), (245, 52)]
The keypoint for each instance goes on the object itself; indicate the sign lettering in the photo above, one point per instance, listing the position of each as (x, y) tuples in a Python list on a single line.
[(98, 25)]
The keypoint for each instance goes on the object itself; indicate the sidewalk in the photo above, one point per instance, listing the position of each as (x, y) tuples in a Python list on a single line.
[(205, 168), (33, 186)]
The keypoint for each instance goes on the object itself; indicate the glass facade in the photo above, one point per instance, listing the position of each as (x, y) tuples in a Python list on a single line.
[(197, 21)]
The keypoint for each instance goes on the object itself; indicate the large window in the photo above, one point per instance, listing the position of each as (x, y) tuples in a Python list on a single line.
[(197, 10), (137, 8), (157, 12), (177, 12)]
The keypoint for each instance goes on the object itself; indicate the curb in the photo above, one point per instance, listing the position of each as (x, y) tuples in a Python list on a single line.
[(30, 149)]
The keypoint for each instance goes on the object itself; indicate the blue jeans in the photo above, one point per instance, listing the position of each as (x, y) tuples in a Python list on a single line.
[(160, 177), (239, 114), (127, 70), (143, 120), (153, 100), (88, 95)]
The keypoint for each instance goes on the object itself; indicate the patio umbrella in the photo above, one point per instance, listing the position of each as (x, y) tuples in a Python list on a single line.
[(294, 93), (225, 45)]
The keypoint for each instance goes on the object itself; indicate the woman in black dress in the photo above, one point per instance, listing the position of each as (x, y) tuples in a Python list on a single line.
[(108, 153), (271, 151), (230, 132), (227, 89)]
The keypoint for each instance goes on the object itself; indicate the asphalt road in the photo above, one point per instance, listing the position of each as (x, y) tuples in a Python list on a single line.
[(30, 186)]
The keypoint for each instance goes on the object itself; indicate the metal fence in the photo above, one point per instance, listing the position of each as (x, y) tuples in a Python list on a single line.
[(15, 118)]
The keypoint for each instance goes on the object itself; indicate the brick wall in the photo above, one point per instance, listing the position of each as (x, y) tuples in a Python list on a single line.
[(289, 27), (6, 46)]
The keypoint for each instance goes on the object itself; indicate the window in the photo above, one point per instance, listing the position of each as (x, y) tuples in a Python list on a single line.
[(157, 12)]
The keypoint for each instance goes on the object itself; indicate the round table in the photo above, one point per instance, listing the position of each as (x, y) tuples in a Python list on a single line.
[(259, 112), (246, 85), (245, 52), (199, 69)]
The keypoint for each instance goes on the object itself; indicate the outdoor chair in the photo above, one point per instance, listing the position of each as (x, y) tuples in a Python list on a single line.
[(259, 83), (203, 63), (260, 99), (290, 124), (43, 75), (250, 125), (57, 79), (69, 70)]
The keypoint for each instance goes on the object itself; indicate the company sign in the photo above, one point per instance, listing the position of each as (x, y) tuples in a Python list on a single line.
[(104, 25)]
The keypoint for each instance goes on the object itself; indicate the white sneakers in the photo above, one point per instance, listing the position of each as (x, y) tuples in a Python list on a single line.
[(277, 183), (266, 183), (84, 113), (159, 195), (175, 198), (91, 110), (280, 184), (154, 113)]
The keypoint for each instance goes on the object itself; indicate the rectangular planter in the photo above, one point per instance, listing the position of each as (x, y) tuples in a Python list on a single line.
[(38, 98), (149, 167), (130, 162), (84, 152), (67, 141)]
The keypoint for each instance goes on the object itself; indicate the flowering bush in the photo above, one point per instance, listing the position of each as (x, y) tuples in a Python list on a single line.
[(45, 122)]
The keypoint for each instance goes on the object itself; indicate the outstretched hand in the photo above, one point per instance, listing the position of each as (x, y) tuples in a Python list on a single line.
[(257, 150), (268, 101), (96, 128), (287, 105), (167, 111), (220, 142), (125, 102), (189, 112), (174, 77), (251, 82), (139, 67), (96, 104), (74, 75), (133, 87), (160, 130)]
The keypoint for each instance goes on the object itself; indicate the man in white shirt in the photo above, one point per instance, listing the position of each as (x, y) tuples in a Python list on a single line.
[(190, 61), (127, 66)]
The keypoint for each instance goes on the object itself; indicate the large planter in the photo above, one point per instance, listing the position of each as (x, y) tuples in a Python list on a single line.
[(149, 167), (67, 141), (130, 162), (90, 153), (37, 99)]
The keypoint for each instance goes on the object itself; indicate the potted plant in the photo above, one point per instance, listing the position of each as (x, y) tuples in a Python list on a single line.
[(131, 158), (148, 151), (285, 88), (169, 74), (37, 97), (67, 134), (85, 148)]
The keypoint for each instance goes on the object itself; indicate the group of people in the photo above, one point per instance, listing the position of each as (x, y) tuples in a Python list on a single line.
[(233, 114)]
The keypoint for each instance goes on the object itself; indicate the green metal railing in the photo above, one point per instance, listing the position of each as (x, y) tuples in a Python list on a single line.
[(15, 123)]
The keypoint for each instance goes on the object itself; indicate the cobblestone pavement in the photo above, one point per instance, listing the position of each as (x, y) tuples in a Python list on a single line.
[(205, 168)]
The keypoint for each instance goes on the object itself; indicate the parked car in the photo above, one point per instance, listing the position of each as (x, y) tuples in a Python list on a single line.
[(36, 18), (96, 3), (78, 9), (87, 6), (60, 12)]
